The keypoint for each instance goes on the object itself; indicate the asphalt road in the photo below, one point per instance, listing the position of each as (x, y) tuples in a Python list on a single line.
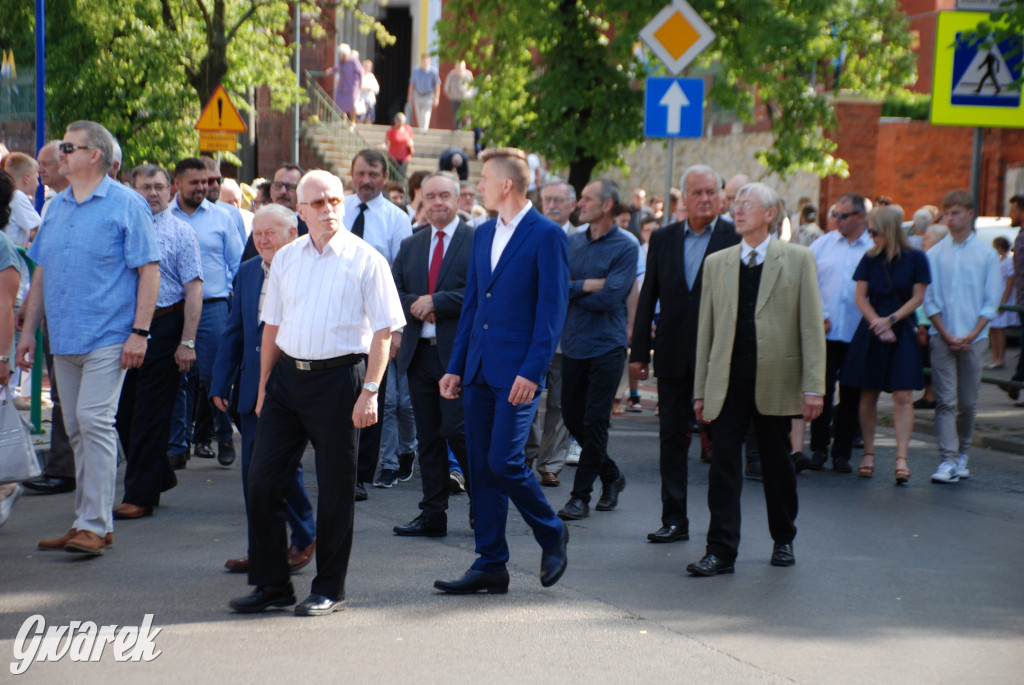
[(917, 584)]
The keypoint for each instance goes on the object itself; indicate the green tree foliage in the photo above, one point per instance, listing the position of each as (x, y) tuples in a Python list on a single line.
[(563, 77), (144, 68), (1007, 24)]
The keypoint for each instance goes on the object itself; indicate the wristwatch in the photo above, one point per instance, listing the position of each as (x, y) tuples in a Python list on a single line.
[(5, 359), (141, 331), (892, 318), (371, 386), (190, 344)]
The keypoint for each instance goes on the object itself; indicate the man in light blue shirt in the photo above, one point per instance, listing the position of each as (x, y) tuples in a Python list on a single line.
[(961, 300), (221, 250), (837, 255), (99, 254)]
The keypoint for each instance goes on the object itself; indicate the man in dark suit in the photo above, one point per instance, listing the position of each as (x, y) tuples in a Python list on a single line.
[(430, 272), (512, 316), (675, 265), (238, 364)]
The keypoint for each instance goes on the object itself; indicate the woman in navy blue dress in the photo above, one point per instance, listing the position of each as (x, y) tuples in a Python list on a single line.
[(884, 353)]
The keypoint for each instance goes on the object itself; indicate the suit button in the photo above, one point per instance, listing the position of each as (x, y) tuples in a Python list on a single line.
[(488, 296), (257, 348), (485, 327)]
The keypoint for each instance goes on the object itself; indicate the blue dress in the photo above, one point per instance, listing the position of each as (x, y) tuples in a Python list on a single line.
[(871, 363)]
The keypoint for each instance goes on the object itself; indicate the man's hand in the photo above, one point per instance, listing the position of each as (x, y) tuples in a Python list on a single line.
[(26, 352), (828, 326), (364, 413), (396, 345), (260, 396), (813, 404), (638, 370), (593, 285), (5, 373), (422, 307), (523, 391), (698, 410), (449, 386), (133, 352), (220, 403), (185, 358)]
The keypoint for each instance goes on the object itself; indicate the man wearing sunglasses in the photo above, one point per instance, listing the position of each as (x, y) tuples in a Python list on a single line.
[(837, 254), (101, 284), (214, 180), (221, 251)]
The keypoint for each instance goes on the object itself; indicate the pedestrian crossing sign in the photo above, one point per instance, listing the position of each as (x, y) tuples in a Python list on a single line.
[(972, 84)]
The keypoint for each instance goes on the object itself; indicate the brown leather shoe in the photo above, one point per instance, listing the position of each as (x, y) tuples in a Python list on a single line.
[(58, 543), (239, 565), (86, 542), (297, 558), (131, 511), (550, 480)]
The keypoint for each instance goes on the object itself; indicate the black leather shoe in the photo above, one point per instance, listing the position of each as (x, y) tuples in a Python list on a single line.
[(752, 471), (264, 597), (818, 461), (710, 565), (574, 510), (800, 462), (610, 494), (555, 559), (841, 464), (494, 582), (669, 534), (225, 453), (178, 461), (423, 527), (50, 485), (203, 449), (318, 605), (782, 555), (361, 495)]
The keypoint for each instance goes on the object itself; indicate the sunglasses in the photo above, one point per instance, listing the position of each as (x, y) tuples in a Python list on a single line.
[(321, 204), (211, 180), (874, 233), (69, 148), (290, 187), (841, 215)]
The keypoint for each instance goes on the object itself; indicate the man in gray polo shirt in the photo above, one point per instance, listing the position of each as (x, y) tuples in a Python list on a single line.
[(424, 91)]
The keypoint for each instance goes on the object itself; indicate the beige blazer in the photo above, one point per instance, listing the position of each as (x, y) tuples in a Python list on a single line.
[(790, 333)]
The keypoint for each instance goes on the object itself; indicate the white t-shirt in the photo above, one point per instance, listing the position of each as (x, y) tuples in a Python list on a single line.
[(24, 219)]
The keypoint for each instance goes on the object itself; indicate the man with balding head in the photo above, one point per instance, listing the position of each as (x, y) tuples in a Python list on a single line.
[(238, 365), (315, 386), (732, 187)]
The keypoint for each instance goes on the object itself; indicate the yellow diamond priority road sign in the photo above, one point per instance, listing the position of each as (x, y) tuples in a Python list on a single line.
[(677, 35)]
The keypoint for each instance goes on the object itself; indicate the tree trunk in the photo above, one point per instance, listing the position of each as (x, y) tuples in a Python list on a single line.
[(580, 171)]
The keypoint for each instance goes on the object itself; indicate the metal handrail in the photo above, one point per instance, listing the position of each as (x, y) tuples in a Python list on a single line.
[(322, 106)]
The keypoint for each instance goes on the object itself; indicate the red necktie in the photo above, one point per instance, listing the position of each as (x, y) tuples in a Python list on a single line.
[(435, 262)]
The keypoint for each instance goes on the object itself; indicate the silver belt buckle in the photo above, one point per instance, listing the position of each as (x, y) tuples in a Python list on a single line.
[(301, 365)]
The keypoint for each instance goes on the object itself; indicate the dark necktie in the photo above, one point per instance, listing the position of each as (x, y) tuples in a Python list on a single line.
[(752, 259), (435, 263), (357, 225)]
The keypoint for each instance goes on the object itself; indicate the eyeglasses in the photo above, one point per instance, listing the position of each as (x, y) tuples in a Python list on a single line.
[(321, 204), (148, 187), (841, 215), (69, 148), (211, 180), (290, 187), (745, 205)]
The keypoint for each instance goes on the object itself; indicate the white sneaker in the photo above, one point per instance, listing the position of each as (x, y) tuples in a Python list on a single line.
[(8, 496), (962, 468), (573, 457), (946, 473)]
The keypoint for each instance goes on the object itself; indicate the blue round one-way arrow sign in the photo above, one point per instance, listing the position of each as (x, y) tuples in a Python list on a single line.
[(674, 108)]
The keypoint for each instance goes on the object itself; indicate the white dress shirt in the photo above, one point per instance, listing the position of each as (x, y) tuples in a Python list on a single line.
[(430, 330), (760, 250), (385, 225), (329, 304), (503, 234), (837, 258)]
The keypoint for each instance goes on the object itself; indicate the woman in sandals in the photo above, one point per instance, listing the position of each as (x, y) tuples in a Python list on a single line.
[(884, 353)]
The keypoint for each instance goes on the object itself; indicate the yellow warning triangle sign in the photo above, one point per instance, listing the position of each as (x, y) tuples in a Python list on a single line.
[(220, 114)]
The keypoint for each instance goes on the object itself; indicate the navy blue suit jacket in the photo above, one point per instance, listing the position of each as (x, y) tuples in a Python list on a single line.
[(512, 317), (238, 355), (412, 269)]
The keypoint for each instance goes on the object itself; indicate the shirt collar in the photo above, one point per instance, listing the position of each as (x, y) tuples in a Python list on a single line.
[(707, 229), (100, 191), (203, 206), (515, 220), (761, 250), (449, 230), (266, 268)]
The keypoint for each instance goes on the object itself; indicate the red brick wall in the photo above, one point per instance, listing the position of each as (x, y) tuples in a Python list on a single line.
[(856, 141)]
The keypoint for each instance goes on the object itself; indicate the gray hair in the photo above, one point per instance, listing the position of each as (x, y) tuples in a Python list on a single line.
[(609, 191), (699, 170), (98, 138), (327, 176), (922, 220), (147, 170), (937, 232), (764, 194), (559, 182), (446, 175), (278, 212)]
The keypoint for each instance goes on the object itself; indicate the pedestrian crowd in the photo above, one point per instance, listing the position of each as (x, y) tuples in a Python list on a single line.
[(390, 325)]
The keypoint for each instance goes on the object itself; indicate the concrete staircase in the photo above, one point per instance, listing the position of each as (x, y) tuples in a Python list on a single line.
[(337, 143)]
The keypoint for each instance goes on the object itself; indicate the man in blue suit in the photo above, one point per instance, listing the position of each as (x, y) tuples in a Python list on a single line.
[(238, 364), (512, 315)]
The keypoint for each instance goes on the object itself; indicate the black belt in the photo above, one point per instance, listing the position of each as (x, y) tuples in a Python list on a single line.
[(320, 364), (215, 299), (169, 309), (429, 341)]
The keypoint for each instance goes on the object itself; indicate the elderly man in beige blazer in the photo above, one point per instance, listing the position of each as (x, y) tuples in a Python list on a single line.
[(760, 361)]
